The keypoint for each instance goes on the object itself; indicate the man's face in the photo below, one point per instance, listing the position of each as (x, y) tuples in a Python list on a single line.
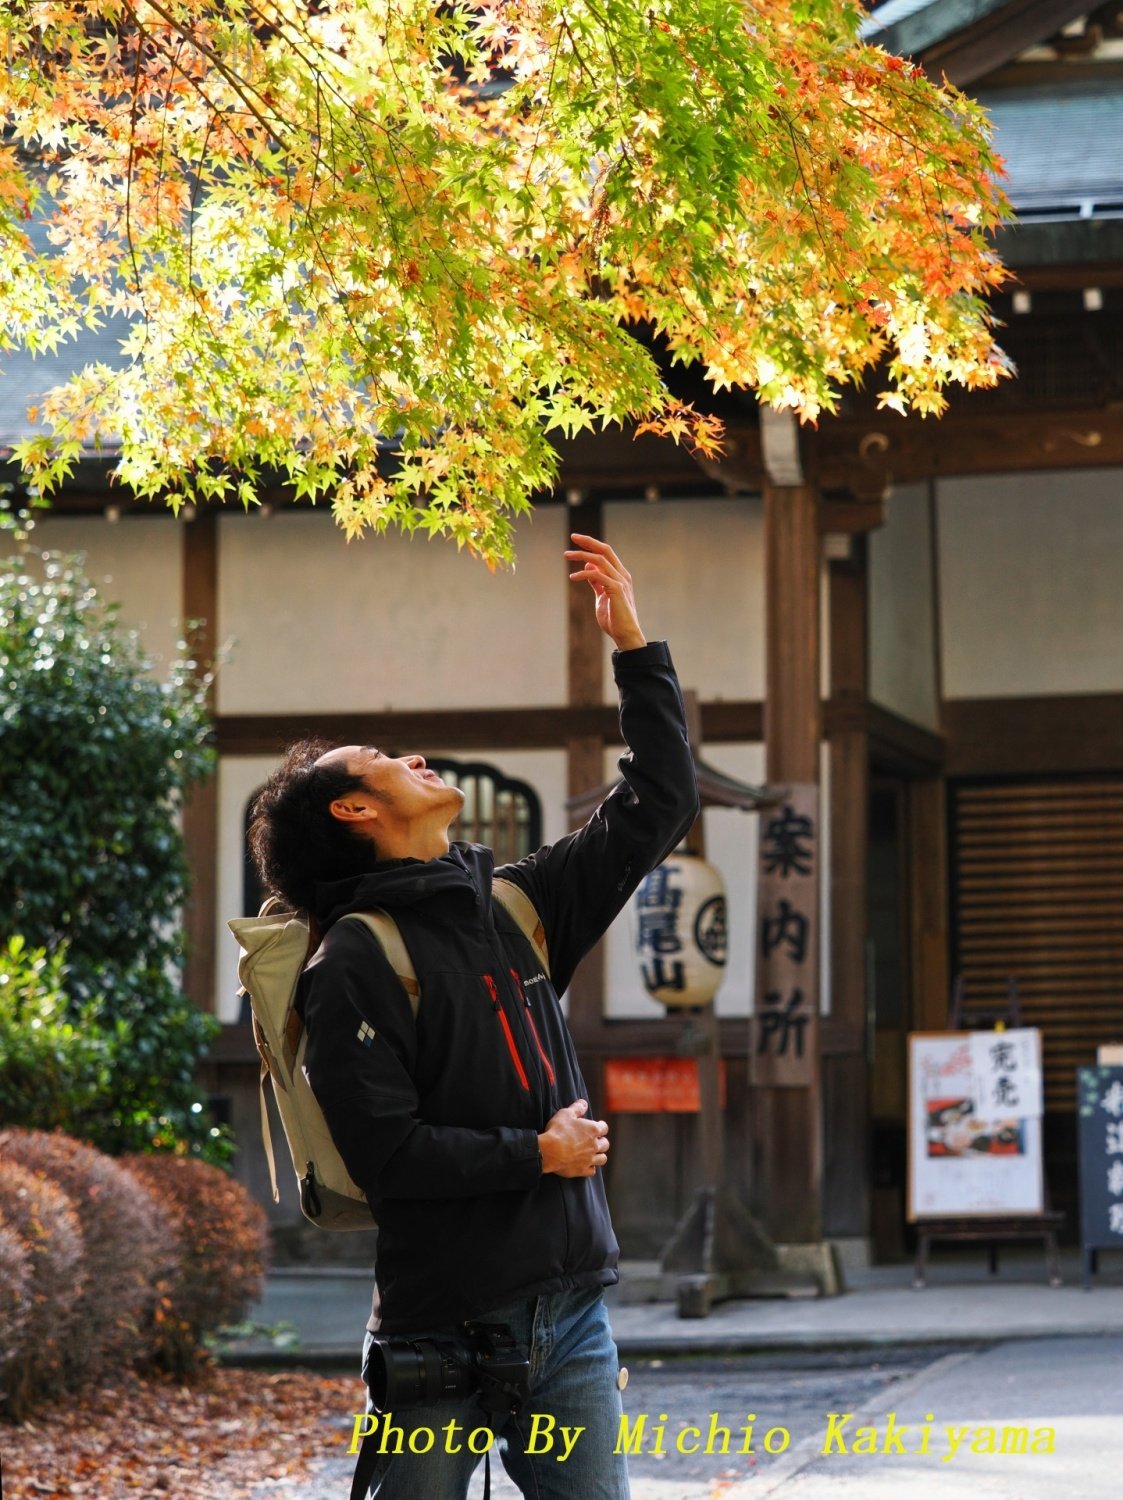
[(402, 805), (397, 778)]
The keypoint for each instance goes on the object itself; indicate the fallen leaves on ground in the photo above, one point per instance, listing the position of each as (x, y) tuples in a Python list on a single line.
[(221, 1438)]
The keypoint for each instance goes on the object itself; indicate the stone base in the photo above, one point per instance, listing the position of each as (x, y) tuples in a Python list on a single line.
[(853, 1252), (818, 1260)]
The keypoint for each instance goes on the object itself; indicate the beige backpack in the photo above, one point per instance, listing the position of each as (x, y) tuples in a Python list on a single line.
[(275, 947)]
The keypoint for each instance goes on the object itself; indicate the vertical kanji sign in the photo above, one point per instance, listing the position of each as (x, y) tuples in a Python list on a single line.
[(1099, 1094), (1007, 1070), (784, 1028)]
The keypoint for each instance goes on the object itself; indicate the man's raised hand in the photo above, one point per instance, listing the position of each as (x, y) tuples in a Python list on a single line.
[(612, 584)]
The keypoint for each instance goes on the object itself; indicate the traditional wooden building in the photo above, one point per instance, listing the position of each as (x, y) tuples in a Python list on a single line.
[(923, 617)]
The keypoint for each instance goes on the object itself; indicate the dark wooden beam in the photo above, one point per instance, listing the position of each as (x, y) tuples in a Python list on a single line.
[(531, 728), (930, 979), (739, 467), (975, 50), (853, 452), (200, 814), (616, 462), (1070, 278), (858, 454), (900, 745), (545, 727), (854, 515), (792, 713), (846, 1177), (788, 1121), (551, 726), (1034, 736), (1055, 70), (849, 626)]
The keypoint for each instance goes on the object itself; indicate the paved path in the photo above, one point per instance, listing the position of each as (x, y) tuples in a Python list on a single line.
[(1060, 1396), (1066, 1395)]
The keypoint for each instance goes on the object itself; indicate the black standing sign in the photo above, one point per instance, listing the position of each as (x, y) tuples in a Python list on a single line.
[(1099, 1092)]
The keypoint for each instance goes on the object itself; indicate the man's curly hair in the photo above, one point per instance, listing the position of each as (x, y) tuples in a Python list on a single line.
[(294, 840)]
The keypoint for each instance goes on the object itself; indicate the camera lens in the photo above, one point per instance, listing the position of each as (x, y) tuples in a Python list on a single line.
[(405, 1372)]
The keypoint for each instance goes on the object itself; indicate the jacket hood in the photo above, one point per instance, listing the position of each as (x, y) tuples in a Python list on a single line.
[(397, 883)]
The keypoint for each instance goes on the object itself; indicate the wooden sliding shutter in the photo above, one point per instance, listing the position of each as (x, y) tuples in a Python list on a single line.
[(1037, 880)]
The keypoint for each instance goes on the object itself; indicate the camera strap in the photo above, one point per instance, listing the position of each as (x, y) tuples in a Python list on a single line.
[(367, 1469)]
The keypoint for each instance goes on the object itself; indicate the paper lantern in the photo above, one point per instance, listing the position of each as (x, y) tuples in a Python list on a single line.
[(680, 931)]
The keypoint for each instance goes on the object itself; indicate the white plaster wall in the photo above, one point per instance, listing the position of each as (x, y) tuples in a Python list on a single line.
[(698, 569), (1031, 578), (901, 621), (135, 562), (389, 622), (240, 776), (732, 843)]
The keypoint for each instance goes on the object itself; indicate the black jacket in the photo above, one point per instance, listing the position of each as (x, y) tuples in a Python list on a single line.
[(438, 1120)]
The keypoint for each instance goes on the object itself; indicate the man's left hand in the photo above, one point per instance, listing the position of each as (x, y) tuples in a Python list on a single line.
[(612, 584)]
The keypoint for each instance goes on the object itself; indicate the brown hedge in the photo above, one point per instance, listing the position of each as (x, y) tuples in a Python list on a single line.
[(223, 1253), (39, 1214), (15, 1294), (129, 1247)]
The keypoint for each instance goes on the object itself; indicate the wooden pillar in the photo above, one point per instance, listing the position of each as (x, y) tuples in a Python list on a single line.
[(200, 813), (846, 1175), (928, 894), (585, 757), (789, 1119), (928, 847)]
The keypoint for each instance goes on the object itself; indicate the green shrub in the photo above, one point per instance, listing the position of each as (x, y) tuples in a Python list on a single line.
[(55, 1065), (96, 756), (223, 1242)]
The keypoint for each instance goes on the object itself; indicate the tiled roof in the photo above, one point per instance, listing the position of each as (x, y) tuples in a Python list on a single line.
[(911, 26), (1062, 148), (25, 377)]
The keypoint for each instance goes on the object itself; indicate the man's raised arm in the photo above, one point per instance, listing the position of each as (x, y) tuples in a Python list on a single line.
[(581, 883)]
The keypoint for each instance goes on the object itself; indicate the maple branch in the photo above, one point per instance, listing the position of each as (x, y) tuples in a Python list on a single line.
[(133, 115), (232, 78), (549, 99)]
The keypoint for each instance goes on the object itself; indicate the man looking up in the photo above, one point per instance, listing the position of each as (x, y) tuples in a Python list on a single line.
[(468, 1126)]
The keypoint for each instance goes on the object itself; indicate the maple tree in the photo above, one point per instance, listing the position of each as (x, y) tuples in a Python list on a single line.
[(383, 249)]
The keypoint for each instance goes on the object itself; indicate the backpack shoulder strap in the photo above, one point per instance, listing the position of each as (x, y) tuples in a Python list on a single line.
[(388, 934), (514, 899)]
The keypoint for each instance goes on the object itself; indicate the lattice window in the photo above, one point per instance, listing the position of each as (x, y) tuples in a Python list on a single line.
[(498, 811), (1037, 894)]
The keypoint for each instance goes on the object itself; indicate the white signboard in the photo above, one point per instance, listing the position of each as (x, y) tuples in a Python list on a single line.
[(1007, 1072), (975, 1124)]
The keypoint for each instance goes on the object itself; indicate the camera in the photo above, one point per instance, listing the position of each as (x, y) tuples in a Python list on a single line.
[(484, 1358)]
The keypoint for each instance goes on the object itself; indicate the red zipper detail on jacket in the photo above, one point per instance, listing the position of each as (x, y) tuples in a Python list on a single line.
[(497, 1006), (546, 1063)]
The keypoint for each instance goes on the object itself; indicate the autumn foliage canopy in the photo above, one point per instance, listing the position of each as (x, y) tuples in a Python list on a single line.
[(383, 249)]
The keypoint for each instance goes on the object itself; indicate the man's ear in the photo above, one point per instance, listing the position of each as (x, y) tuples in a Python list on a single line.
[(351, 810)]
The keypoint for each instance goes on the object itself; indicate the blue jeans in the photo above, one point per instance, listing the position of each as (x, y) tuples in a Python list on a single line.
[(559, 1447)]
